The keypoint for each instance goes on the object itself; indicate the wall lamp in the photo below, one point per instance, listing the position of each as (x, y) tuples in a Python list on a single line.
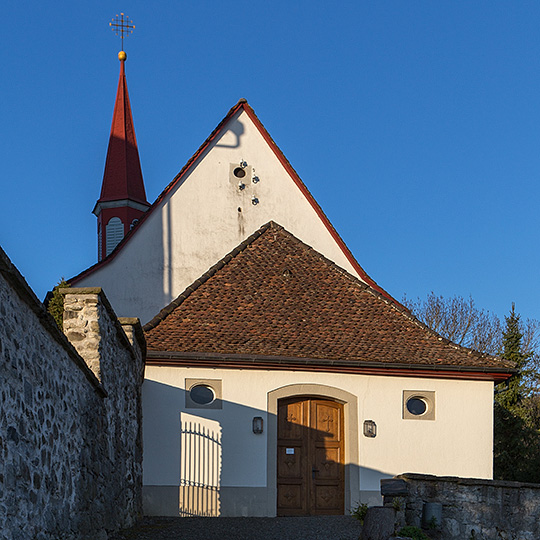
[(370, 428), (257, 425)]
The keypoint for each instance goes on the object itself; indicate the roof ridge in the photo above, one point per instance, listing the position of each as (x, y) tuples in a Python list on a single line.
[(167, 310)]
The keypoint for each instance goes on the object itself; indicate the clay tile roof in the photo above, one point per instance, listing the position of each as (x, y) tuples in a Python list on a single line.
[(274, 296)]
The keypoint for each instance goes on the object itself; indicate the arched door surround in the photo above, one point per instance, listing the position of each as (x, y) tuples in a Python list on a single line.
[(350, 428)]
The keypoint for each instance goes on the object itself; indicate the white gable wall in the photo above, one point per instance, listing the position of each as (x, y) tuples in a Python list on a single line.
[(458, 442), (199, 222), (193, 227)]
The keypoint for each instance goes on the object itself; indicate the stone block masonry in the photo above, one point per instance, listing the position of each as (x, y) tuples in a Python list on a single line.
[(471, 508), (70, 417)]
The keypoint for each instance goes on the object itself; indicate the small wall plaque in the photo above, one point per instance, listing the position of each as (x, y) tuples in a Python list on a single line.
[(289, 450)]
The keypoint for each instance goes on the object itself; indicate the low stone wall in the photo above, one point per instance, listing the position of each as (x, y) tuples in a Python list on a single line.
[(70, 434), (471, 508)]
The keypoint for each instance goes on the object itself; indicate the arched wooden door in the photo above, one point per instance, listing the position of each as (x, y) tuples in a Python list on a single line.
[(310, 461)]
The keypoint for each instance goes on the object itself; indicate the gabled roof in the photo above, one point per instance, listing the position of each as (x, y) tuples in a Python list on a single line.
[(274, 301), (122, 178), (242, 105)]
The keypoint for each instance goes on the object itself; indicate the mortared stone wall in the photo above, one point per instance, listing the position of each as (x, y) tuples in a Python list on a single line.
[(70, 415)]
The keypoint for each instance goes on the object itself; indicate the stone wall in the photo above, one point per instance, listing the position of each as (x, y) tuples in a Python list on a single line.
[(470, 508), (70, 433)]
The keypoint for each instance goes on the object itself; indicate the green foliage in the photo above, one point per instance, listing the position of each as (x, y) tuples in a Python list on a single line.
[(517, 402), (412, 532), (397, 504), (55, 305), (516, 453), (359, 512), (510, 398)]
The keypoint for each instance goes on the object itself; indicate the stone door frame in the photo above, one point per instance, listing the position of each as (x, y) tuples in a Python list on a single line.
[(350, 413)]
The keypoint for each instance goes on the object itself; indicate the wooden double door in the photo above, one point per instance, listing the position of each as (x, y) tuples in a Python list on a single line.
[(310, 460)]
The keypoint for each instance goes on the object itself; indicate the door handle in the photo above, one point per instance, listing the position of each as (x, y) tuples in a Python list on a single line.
[(313, 471)]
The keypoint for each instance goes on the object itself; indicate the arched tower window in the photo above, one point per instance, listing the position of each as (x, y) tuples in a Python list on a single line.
[(114, 233), (99, 246)]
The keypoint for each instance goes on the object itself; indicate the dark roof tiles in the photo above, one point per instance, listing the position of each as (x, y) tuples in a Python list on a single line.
[(275, 296)]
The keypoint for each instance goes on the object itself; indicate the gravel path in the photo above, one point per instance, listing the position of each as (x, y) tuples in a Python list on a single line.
[(222, 528)]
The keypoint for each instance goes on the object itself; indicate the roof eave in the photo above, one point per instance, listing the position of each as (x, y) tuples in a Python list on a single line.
[(264, 362)]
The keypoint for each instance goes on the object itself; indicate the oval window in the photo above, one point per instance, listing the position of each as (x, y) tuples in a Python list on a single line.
[(416, 406), (202, 394)]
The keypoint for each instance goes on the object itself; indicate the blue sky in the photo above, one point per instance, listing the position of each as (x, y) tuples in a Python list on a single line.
[(415, 124)]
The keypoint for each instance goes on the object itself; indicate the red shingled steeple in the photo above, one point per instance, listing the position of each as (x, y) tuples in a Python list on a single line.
[(123, 198)]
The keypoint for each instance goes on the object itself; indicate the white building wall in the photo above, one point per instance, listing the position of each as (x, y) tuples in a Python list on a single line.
[(199, 222), (457, 443)]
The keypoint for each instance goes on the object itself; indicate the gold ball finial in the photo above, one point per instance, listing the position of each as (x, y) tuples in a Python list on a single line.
[(122, 56)]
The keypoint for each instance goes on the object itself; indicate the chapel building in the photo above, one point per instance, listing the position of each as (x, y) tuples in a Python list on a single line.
[(280, 378)]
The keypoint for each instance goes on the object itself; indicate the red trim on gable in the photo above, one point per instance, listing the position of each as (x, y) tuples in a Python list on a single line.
[(318, 210), (243, 104)]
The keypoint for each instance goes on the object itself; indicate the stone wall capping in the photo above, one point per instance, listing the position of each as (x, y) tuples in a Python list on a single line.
[(137, 329), (27, 295), (394, 487), (80, 290), (99, 292), (467, 481), (467, 507)]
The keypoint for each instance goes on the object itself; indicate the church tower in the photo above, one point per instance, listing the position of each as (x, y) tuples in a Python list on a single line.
[(123, 197)]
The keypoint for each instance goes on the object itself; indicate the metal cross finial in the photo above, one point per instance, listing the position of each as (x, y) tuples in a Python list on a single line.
[(122, 27)]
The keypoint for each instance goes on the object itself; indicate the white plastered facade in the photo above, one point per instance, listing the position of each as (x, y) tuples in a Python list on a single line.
[(201, 219), (205, 217), (458, 442)]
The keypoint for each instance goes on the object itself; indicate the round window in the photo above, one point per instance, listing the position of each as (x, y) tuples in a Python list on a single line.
[(202, 394), (239, 172), (416, 406)]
